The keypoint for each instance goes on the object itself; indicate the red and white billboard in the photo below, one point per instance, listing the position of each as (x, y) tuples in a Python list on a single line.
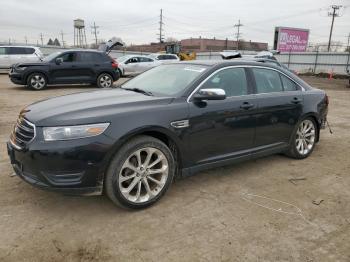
[(291, 39)]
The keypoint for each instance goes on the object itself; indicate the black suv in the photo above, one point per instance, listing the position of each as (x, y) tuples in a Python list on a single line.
[(68, 67)]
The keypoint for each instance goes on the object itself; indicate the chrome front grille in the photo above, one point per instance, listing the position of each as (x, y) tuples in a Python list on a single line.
[(23, 133)]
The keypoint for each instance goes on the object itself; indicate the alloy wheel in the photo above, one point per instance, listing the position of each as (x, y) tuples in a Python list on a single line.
[(305, 137), (105, 81), (143, 175), (37, 82)]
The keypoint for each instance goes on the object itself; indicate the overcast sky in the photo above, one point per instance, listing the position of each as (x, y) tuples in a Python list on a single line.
[(136, 21)]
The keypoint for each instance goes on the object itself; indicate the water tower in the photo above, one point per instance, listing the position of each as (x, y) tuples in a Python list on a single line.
[(79, 33)]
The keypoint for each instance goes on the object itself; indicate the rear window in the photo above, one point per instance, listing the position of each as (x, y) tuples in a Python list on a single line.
[(21, 50)]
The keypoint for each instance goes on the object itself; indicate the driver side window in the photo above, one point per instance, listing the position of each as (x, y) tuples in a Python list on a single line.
[(68, 57), (232, 80)]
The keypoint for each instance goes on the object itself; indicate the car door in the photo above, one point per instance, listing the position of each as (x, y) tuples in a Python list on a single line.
[(66, 72), (280, 105), (223, 129), (88, 65), (130, 66), (4, 58), (144, 64)]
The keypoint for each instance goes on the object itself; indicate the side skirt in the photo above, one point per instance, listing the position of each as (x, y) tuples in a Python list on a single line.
[(237, 157)]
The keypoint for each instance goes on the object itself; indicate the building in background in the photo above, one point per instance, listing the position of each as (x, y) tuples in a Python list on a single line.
[(202, 45), (287, 39)]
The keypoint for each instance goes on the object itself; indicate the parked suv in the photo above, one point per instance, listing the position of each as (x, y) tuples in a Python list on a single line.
[(68, 67), (18, 54)]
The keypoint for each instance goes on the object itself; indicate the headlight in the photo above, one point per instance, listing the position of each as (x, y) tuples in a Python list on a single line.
[(21, 68), (73, 132)]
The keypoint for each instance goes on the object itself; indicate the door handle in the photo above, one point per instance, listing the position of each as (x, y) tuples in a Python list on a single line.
[(96, 65), (73, 66), (296, 100), (246, 105)]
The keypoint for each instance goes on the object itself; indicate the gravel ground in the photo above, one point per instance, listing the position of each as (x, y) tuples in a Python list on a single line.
[(246, 212)]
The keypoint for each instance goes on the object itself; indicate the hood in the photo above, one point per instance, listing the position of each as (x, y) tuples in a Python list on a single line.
[(89, 107)]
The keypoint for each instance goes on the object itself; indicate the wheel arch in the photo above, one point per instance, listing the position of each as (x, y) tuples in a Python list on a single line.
[(37, 71), (160, 133), (315, 117)]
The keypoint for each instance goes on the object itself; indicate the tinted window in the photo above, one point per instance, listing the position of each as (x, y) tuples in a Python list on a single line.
[(288, 85), (170, 57), (2, 50), (162, 57), (232, 80), (267, 81), (145, 59), (90, 57), (18, 50), (133, 60), (68, 57), (29, 50)]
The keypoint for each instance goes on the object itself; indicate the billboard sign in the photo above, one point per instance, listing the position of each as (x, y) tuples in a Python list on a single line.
[(292, 39)]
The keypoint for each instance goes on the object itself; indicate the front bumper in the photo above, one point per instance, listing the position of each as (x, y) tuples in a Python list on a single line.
[(16, 77), (70, 167)]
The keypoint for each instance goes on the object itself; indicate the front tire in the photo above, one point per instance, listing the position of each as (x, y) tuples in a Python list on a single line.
[(37, 81), (104, 80), (303, 139), (140, 173)]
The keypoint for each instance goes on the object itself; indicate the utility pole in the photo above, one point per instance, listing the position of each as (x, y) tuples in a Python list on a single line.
[(42, 39), (238, 34), (26, 39), (95, 32), (348, 45), (161, 36), (62, 34), (333, 14)]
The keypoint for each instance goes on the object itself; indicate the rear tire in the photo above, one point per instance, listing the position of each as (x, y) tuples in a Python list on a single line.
[(104, 80), (140, 173), (303, 139), (37, 81)]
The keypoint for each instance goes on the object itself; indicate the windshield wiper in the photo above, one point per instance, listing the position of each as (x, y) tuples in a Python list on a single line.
[(138, 90)]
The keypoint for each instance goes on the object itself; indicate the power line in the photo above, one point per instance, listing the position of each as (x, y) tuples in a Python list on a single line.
[(42, 39), (95, 32), (161, 36), (333, 14), (238, 34)]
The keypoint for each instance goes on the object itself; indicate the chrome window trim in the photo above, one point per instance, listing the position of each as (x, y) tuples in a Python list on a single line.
[(244, 66)]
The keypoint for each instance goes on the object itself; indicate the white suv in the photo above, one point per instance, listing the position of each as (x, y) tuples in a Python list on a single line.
[(10, 55)]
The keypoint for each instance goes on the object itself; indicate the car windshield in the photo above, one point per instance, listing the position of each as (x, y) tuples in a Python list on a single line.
[(123, 58), (51, 56), (166, 80)]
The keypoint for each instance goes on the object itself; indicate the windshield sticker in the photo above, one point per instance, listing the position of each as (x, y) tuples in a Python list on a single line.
[(194, 69)]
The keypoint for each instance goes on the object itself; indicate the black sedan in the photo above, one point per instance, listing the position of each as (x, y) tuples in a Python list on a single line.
[(68, 67), (173, 120)]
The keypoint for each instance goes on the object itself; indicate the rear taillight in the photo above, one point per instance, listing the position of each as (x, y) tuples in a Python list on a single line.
[(114, 64), (326, 100)]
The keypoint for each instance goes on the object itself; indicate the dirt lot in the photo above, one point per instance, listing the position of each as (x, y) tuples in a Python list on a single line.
[(246, 212)]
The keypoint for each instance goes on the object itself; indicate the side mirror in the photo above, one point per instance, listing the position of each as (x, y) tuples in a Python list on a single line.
[(210, 94), (59, 61)]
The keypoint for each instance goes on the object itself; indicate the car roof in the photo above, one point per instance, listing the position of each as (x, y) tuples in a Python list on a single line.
[(28, 46), (81, 50)]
